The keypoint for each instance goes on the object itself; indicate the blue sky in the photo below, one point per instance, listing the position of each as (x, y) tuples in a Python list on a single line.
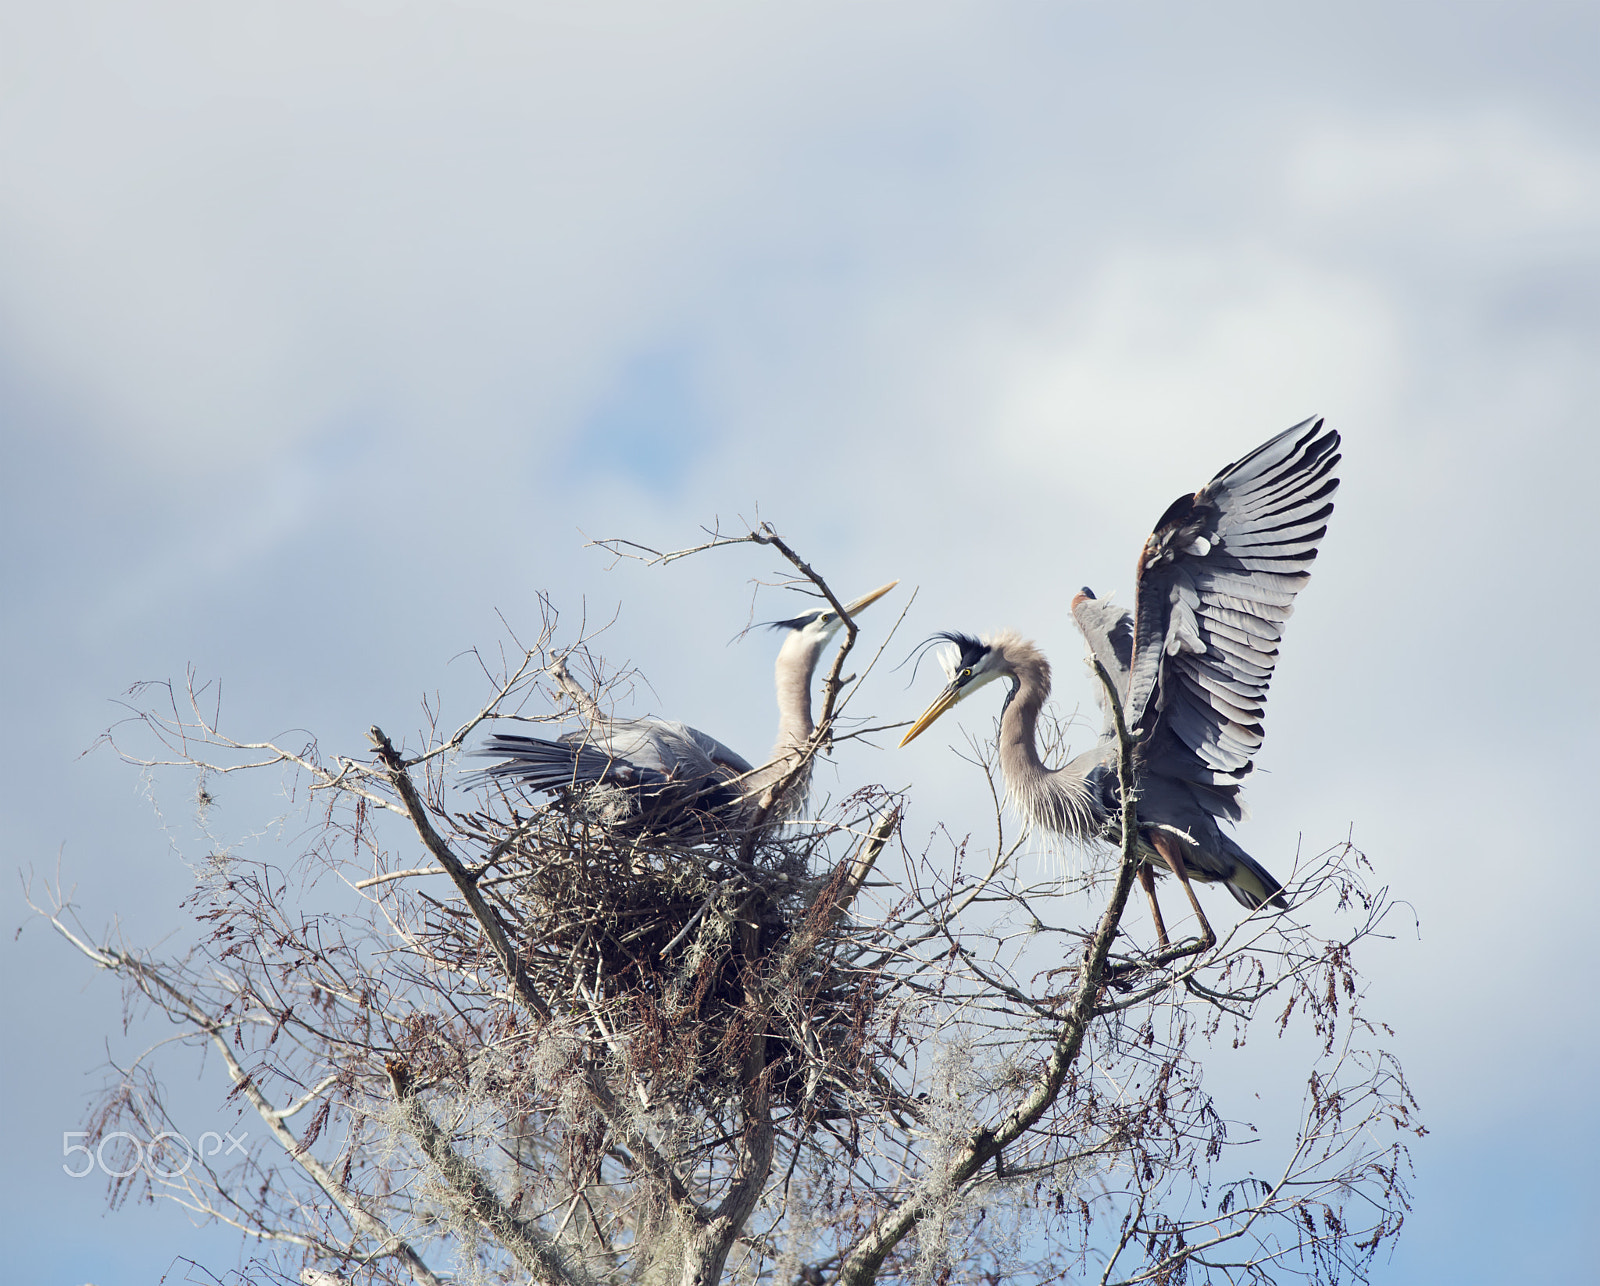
[(327, 330)]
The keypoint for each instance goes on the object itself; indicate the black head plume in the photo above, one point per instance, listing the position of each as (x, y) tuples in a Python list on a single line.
[(969, 649), (797, 622)]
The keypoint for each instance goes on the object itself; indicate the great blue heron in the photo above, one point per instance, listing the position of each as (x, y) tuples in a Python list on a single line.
[(671, 774), (1215, 583)]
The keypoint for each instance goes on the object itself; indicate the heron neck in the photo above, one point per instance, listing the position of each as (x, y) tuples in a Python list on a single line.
[(1055, 799), (797, 662), (1019, 721)]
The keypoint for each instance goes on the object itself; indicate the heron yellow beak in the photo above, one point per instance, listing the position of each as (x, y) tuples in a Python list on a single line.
[(867, 600), (941, 703)]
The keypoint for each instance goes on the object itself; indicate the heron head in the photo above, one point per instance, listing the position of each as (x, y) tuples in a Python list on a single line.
[(968, 664), (820, 624)]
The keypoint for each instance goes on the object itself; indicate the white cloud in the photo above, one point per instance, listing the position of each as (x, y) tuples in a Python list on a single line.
[(1177, 353), (1463, 178)]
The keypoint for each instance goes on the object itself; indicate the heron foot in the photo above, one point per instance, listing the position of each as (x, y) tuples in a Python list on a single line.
[(1188, 947)]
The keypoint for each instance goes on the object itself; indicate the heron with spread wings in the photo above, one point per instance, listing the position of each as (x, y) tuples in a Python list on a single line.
[(1191, 662), (673, 776)]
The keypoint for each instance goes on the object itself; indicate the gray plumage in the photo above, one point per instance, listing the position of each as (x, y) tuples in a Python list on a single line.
[(667, 774), (1192, 662)]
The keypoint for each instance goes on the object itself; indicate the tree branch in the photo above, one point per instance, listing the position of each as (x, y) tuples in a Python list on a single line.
[(473, 1188), (863, 1260), (365, 1222), (463, 878)]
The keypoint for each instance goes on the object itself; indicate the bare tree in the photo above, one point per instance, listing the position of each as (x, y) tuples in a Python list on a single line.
[(493, 1038)]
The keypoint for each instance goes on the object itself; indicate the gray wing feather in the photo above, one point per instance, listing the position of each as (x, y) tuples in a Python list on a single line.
[(558, 765), (626, 752), (717, 752), (1217, 581), (675, 750)]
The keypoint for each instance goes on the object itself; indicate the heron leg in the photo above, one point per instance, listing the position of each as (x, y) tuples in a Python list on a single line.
[(1147, 881), (1169, 850)]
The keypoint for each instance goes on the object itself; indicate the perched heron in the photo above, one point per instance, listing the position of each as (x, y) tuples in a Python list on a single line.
[(670, 774), (1215, 583)]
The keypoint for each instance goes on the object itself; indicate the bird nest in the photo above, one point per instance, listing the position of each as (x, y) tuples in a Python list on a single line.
[(666, 944)]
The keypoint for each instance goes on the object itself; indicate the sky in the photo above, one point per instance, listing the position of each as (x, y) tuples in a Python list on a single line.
[(331, 331)]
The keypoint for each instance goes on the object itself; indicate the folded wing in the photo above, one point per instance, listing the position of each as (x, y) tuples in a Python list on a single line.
[(633, 753)]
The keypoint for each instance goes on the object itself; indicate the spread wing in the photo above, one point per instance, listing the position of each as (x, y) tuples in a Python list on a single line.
[(1216, 583)]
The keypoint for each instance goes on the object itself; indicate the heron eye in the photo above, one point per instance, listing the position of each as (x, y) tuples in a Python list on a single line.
[(967, 673)]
